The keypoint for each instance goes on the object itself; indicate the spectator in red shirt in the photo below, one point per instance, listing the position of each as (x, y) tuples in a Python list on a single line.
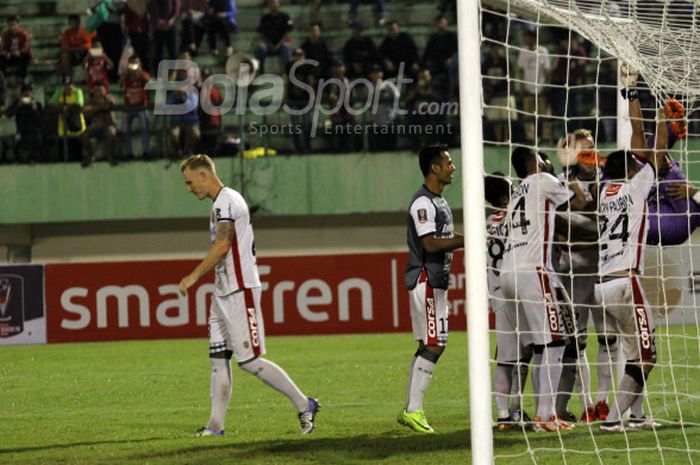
[(97, 63), (136, 102), (15, 48), (75, 43)]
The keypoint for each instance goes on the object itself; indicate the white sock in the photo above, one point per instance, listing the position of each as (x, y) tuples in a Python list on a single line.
[(418, 382), (275, 377), (607, 364), (220, 392), (519, 379), (502, 379), (637, 407), (627, 392), (583, 380), (550, 374), (536, 370)]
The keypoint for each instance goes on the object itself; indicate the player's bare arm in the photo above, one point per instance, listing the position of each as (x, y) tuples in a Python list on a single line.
[(638, 142), (434, 244), (221, 246), (579, 202)]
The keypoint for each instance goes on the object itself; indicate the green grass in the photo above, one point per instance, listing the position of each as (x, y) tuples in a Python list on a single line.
[(139, 402)]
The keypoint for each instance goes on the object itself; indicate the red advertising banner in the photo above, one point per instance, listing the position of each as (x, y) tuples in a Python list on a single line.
[(324, 294)]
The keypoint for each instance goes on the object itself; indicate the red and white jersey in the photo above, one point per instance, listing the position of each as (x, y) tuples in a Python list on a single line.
[(623, 222), (238, 269), (530, 217), (496, 236)]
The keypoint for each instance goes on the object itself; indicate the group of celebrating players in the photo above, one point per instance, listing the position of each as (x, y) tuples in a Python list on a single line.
[(564, 248)]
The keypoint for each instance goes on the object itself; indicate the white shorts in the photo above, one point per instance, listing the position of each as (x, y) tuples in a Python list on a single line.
[(510, 344), (623, 298), (236, 324), (539, 300), (429, 311)]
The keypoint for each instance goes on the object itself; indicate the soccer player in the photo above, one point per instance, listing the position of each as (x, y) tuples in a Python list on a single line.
[(431, 240), (623, 216), (235, 322), (527, 277), (674, 207), (578, 263), (513, 350)]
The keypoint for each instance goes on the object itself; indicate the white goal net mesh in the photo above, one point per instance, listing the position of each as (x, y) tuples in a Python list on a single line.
[(550, 69)]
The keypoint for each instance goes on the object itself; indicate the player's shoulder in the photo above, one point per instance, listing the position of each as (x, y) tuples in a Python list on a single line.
[(422, 196), (228, 200)]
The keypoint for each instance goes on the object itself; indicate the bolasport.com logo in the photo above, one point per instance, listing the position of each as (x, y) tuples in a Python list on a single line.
[(370, 105)]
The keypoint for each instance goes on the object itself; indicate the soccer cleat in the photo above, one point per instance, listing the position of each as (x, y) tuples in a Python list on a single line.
[(548, 426), (614, 427), (602, 410), (642, 422), (567, 417), (588, 416), (551, 425), (504, 424), (415, 421), (206, 431), (307, 417)]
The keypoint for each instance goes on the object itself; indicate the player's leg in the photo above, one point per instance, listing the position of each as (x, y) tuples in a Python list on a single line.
[(625, 299), (429, 321), (221, 381), (542, 312), (520, 372), (248, 339), (608, 350), (506, 358), (567, 379)]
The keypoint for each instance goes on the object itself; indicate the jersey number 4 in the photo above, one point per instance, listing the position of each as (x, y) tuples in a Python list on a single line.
[(524, 223), (619, 229)]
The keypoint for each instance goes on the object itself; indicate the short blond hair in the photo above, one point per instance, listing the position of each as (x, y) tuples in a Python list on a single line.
[(583, 134), (198, 161)]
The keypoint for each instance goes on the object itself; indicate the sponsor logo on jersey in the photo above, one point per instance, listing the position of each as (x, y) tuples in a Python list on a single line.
[(432, 325), (253, 325), (613, 189), (643, 326), (422, 215)]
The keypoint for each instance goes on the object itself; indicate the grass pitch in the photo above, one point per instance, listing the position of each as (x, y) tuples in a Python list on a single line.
[(140, 402)]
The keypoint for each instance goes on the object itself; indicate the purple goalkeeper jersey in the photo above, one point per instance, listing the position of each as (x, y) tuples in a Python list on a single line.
[(671, 222)]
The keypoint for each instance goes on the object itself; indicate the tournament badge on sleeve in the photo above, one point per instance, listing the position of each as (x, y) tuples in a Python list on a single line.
[(11, 305)]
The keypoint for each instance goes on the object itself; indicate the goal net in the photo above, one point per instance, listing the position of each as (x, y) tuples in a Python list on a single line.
[(553, 77)]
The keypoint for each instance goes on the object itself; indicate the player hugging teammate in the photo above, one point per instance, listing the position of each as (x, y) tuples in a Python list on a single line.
[(543, 291)]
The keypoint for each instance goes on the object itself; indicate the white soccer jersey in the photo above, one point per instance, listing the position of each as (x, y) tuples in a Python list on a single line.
[(497, 234), (238, 269), (623, 222), (530, 217)]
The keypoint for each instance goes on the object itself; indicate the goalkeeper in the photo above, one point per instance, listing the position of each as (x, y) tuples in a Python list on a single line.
[(673, 206)]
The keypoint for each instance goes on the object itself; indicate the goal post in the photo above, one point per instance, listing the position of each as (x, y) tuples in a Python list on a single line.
[(661, 40), (474, 230)]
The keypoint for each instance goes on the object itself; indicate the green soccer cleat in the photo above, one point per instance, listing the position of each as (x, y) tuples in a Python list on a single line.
[(416, 421)]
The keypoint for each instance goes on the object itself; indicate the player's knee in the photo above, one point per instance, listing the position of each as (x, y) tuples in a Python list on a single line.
[(430, 353), (220, 354), (570, 352), (635, 372), (253, 366), (607, 342)]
